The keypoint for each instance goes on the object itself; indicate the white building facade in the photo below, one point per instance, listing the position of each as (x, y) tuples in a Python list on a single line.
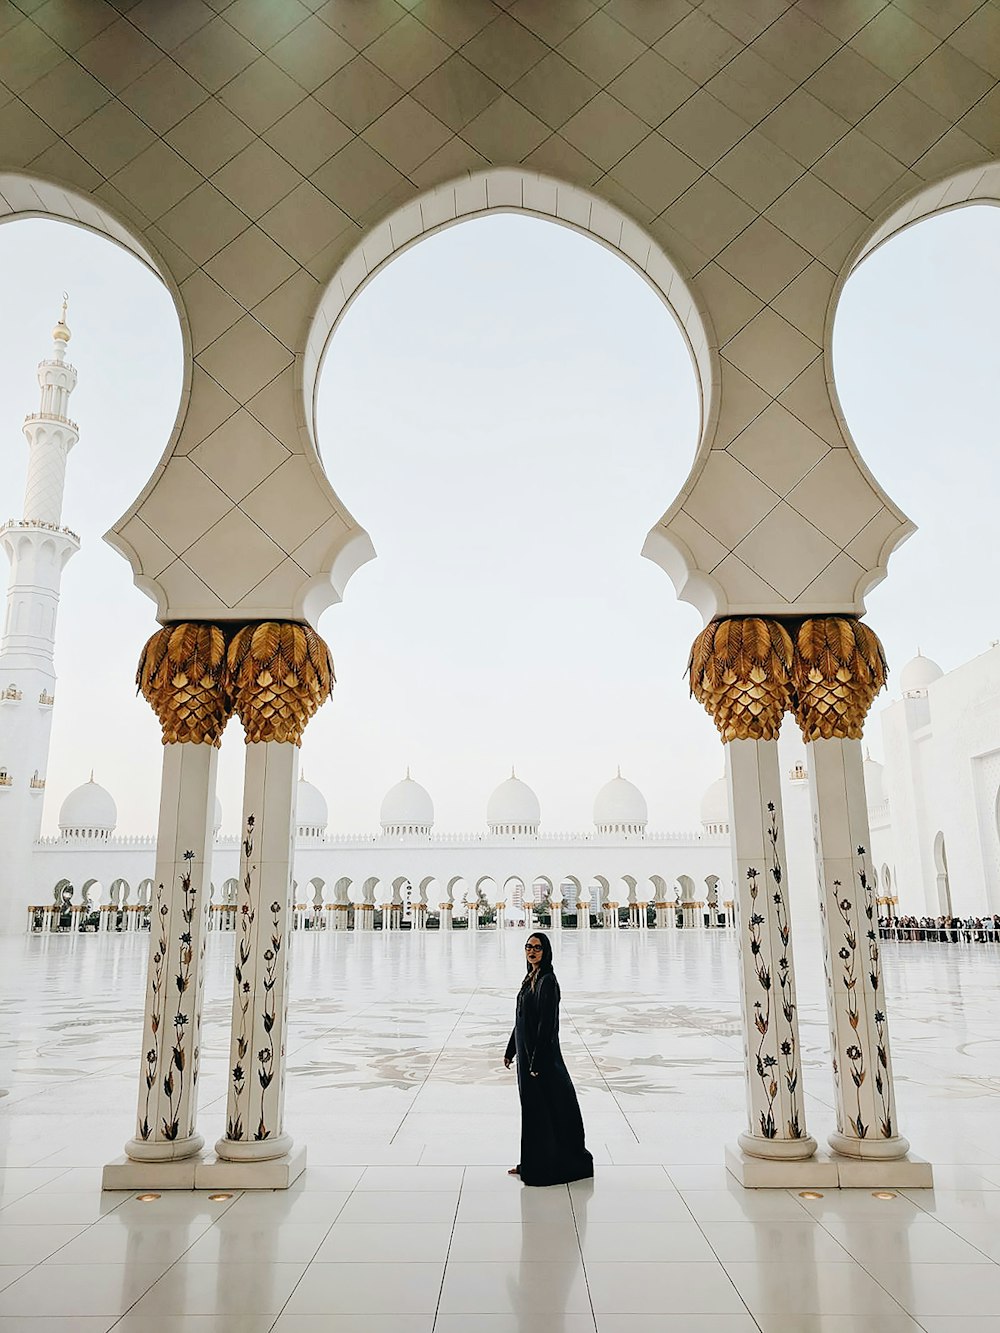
[(935, 806), (407, 874), (38, 548)]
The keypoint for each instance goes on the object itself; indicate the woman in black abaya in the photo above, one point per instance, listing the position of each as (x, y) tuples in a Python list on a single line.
[(553, 1151)]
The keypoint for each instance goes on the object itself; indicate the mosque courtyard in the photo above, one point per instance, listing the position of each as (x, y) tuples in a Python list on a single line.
[(405, 1220)]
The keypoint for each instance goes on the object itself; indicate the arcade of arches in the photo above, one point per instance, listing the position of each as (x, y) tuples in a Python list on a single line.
[(266, 161)]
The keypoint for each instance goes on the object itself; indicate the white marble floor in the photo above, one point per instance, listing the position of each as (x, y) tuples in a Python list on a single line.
[(406, 1222)]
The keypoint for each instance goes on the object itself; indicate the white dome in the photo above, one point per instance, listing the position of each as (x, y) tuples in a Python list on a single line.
[(874, 781), (407, 808), (513, 808), (620, 807), (918, 673), (217, 816), (715, 807), (311, 813), (88, 812)]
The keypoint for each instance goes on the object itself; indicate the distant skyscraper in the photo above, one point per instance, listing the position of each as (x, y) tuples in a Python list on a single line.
[(38, 548)]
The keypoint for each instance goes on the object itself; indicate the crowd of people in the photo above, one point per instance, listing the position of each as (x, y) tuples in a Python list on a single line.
[(942, 929)]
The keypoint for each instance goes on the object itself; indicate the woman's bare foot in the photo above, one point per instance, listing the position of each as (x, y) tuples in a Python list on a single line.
[(513, 1171)]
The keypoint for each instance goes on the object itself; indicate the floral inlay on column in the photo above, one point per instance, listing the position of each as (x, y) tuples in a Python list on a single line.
[(838, 669), (279, 674), (739, 670), (242, 975)]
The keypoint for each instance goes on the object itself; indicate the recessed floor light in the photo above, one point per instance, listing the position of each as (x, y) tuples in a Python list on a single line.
[(883, 1194), (147, 1198), (810, 1194), (219, 1198)]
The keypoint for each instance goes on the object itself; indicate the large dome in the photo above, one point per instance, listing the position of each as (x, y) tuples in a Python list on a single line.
[(620, 807), (311, 813), (715, 807), (407, 808), (918, 673), (513, 808), (88, 812)]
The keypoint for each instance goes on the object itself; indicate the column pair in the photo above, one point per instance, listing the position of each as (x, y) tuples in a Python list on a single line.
[(825, 670), (274, 676)]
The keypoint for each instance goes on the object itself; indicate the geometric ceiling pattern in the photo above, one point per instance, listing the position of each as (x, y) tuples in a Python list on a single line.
[(259, 151)]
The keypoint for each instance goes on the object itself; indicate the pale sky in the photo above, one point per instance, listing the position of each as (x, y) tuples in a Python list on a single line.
[(507, 409)]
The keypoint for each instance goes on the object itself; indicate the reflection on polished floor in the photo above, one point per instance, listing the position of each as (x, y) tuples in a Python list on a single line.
[(405, 1221)]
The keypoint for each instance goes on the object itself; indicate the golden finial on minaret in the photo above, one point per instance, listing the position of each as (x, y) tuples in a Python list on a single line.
[(61, 331)]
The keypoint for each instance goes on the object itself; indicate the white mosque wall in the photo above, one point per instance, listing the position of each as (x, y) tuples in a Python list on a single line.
[(942, 769), (436, 861)]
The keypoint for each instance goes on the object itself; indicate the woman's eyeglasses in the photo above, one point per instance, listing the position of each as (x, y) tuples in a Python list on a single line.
[(532, 948)]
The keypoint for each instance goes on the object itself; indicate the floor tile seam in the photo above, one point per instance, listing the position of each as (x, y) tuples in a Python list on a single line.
[(610, 1090), (430, 1071), (583, 1262), (447, 1257), (822, 1225), (949, 1227)]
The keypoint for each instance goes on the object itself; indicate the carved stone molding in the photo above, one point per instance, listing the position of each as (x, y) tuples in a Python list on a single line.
[(739, 670)]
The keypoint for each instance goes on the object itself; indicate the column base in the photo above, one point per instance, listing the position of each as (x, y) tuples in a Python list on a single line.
[(276, 1173), (124, 1173), (777, 1150), (826, 1171), (163, 1150), (198, 1173), (868, 1150), (776, 1173), (253, 1150)]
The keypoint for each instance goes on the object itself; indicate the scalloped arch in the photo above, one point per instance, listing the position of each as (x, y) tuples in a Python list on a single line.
[(513, 190)]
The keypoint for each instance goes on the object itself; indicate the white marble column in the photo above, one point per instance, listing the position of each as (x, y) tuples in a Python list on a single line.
[(775, 1103), (446, 910), (171, 1035), (859, 1033), (583, 915), (256, 1086)]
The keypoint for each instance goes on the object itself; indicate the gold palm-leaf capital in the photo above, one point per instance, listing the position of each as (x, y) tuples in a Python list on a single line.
[(838, 668), (280, 672), (182, 676), (739, 670)]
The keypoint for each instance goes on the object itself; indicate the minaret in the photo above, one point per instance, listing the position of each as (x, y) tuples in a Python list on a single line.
[(38, 548)]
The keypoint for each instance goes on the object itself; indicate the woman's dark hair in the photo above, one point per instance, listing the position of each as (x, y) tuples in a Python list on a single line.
[(546, 964)]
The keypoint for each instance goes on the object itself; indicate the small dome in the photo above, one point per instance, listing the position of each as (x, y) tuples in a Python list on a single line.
[(311, 814), (874, 781), (918, 673), (715, 807), (217, 816), (620, 807), (407, 808), (88, 812), (513, 808)]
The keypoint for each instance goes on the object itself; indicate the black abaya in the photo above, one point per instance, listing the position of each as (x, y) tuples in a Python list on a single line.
[(553, 1151)]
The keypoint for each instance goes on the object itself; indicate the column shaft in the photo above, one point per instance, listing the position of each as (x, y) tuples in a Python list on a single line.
[(255, 1105), (770, 1018), (168, 1084), (859, 1033)]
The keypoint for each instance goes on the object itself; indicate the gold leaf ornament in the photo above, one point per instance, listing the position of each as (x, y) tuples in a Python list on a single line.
[(838, 668), (182, 675), (280, 672), (739, 670)]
